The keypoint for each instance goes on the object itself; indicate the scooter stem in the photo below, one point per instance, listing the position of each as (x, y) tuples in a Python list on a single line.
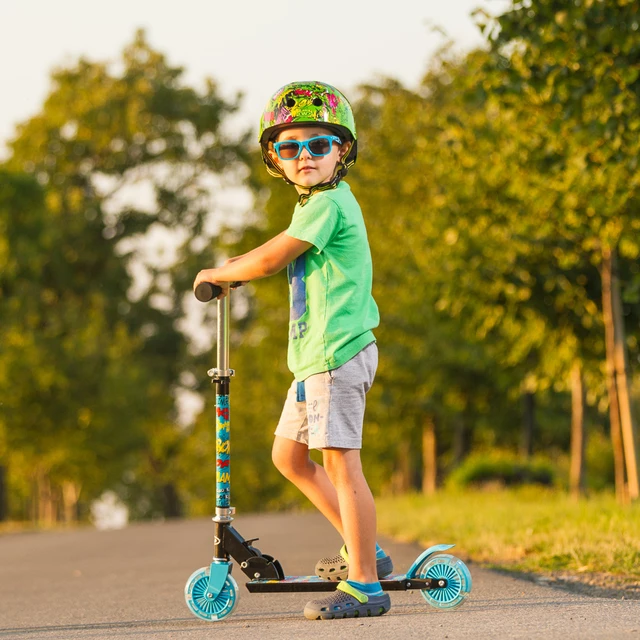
[(222, 376), (223, 337)]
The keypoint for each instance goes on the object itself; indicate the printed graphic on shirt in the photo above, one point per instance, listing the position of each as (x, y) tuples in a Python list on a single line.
[(296, 273)]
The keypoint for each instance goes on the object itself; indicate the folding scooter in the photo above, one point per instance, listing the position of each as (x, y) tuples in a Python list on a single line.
[(211, 592)]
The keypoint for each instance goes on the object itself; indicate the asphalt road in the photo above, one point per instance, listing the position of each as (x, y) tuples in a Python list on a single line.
[(129, 584)]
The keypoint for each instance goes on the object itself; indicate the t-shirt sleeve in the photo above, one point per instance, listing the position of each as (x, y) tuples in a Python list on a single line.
[(317, 222)]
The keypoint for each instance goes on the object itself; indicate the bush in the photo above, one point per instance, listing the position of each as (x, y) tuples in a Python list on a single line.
[(599, 461), (502, 468)]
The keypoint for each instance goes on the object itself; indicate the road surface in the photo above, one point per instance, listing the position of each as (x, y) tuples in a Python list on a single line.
[(128, 584)]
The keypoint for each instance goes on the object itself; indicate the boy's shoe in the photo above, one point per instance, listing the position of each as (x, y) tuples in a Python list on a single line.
[(337, 567), (347, 602)]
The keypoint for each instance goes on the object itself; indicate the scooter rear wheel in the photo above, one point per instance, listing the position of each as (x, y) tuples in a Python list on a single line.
[(202, 605), (455, 572)]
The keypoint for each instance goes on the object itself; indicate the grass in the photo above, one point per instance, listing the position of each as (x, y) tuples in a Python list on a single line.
[(532, 530), (18, 526)]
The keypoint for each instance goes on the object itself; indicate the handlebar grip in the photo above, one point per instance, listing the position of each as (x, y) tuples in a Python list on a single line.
[(206, 291)]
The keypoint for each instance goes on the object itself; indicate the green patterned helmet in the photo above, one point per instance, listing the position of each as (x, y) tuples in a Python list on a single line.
[(300, 103)]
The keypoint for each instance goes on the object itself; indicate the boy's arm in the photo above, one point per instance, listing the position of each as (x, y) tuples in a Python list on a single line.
[(265, 260), (266, 244)]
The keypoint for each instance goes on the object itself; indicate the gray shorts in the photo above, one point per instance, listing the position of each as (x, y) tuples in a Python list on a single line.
[(332, 411)]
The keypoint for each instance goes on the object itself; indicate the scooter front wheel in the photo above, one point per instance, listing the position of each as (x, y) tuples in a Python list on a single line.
[(455, 572), (202, 604)]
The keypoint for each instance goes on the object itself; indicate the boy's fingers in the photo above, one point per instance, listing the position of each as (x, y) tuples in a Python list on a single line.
[(202, 277)]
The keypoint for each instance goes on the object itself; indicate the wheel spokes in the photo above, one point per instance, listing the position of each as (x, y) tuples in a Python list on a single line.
[(454, 584)]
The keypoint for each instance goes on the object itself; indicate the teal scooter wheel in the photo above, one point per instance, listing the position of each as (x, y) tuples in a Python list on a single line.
[(455, 572), (204, 606)]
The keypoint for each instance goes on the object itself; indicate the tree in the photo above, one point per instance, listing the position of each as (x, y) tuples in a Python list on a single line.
[(60, 359), (121, 155), (579, 61), (440, 254)]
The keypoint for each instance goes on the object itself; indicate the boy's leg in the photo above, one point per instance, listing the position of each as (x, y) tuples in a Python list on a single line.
[(292, 459), (335, 412), (336, 396), (361, 594), (357, 510)]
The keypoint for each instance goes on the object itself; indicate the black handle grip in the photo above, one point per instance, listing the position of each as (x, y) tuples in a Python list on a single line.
[(206, 291)]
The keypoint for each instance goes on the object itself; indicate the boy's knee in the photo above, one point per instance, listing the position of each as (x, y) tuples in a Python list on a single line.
[(286, 460), (342, 465), (279, 459)]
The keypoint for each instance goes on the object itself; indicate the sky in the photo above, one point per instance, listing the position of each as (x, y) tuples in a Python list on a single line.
[(244, 45)]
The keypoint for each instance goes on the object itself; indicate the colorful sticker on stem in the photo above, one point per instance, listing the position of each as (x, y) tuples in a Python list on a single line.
[(223, 452)]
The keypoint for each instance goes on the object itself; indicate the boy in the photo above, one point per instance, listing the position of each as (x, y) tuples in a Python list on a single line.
[(308, 138)]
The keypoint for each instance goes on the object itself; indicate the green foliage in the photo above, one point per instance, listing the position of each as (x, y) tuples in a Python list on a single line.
[(90, 360), (63, 364), (598, 461)]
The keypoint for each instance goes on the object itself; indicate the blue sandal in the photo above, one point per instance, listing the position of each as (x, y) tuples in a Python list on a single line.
[(347, 602)]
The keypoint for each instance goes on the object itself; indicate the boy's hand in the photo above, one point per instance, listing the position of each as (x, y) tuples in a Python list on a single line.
[(209, 275)]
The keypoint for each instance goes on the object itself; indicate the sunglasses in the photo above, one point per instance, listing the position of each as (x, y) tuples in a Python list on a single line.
[(317, 147)]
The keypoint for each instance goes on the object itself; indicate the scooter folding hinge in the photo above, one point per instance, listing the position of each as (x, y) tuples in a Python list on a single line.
[(219, 374)]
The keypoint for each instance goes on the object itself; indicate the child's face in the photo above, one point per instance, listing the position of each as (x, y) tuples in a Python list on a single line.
[(308, 170)]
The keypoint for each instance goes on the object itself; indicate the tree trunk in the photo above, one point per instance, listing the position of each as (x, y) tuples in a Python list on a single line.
[(46, 512), (4, 508), (629, 432), (528, 423), (172, 502), (429, 459), (578, 435), (401, 476), (33, 506), (70, 496), (612, 389)]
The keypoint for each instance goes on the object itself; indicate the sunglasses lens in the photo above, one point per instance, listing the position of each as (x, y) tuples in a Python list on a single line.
[(288, 150), (320, 146)]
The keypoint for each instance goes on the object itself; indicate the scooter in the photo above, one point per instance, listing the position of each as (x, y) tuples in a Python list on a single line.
[(211, 593)]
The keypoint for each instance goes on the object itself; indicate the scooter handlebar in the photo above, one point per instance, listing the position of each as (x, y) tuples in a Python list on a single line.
[(206, 291)]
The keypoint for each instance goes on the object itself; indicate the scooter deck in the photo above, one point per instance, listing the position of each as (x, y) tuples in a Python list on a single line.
[(394, 582)]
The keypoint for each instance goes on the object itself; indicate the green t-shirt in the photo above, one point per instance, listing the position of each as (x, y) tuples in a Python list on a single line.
[(332, 309)]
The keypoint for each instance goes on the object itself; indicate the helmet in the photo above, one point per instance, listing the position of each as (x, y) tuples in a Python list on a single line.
[(300, 103)]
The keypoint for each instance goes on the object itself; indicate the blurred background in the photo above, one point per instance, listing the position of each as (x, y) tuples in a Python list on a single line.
[(498, 175)]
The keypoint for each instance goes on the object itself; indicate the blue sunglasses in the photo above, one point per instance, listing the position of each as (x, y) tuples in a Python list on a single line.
[(318, 146)]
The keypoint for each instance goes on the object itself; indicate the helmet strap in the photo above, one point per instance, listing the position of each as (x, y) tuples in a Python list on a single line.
[(338, 174)]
